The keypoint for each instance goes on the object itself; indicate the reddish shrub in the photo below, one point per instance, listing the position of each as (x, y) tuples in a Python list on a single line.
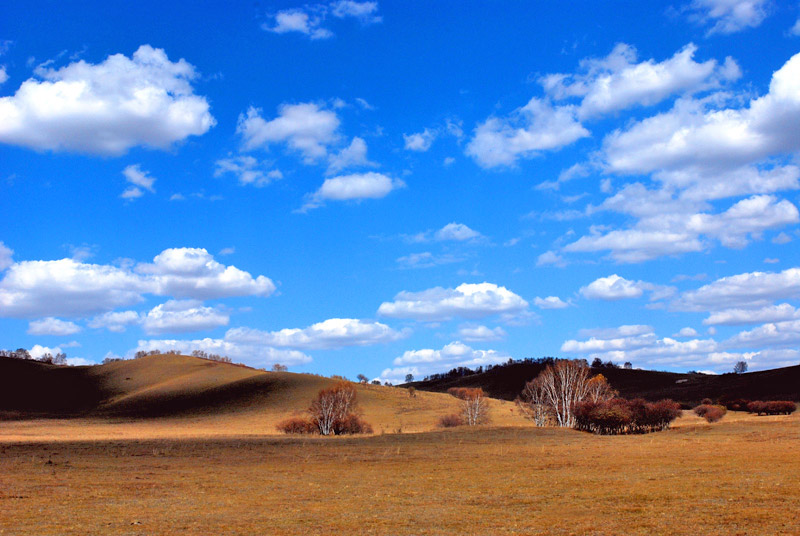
[(772, 407), (449, 421), (710, 413), (706, 402), (736, 404), (620, 416), (352, 424), (298, 425)]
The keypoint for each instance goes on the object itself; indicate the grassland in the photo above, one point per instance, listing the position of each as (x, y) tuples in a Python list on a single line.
[(735, 477)]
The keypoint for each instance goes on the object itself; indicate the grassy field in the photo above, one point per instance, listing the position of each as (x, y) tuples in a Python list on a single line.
[(736, 477)]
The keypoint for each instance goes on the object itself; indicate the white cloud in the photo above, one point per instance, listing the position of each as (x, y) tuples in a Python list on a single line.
[(728, 16), (550, 258), (146, 100), (694, 138), (457, 232), (52, 326), (115, 321), (746, 291), (252, 355), (3, 74), (472, 333), (686, 332), (354, 155), (796, 28), (737, 317), (634, 245), (426, 259), (309, 19), (614, 288), (421, 141), (38, 351), (573, 172), (427, 361), (67, 287), (465, 301), (774, 334), (139, 179), (617, 81), (305, 128), (329, 334), (247, 169), (356, 186), (537, 126), (181, 316), (6, 254), (550, 302)]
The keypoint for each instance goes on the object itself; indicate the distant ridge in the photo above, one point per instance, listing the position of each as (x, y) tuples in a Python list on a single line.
[(506, 382)]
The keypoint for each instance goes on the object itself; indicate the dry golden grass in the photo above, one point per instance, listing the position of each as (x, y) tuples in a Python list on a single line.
[(735, 477)]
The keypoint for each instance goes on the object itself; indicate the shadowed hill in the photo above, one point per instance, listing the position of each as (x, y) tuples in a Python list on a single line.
[(198, 394), (506, 382)]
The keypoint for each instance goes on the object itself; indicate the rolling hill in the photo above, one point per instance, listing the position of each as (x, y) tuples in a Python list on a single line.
[(506, 382)]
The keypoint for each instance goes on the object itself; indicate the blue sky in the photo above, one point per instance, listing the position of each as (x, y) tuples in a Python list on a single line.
[(385, 188)]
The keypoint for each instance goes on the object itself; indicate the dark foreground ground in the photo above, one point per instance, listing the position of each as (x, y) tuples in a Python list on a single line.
[(736, 477)]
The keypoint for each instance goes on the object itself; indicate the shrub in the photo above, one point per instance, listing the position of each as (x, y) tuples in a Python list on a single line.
[(298, 425), (710, 412), (706, 402), (351, 424), (620, 416), (736, 404), (772, 407), (449, 421)]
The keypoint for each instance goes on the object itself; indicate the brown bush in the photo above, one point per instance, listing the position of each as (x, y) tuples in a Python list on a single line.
[(710, 412), (298, 425), (706, 402), (351, 424), (620, 416), (772, 407), (449, 421)]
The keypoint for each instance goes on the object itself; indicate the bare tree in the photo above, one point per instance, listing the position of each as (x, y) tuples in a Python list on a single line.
[(277, 367), (474, 404), (533, 402), (362, 379), (563, 384), (332, 406), (599, 390), (740, 367)]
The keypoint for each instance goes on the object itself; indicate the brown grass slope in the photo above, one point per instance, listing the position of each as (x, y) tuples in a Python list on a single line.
[(506, 382), (197, 394)]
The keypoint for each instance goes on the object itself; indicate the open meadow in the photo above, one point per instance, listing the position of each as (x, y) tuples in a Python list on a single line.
[(735, 477)]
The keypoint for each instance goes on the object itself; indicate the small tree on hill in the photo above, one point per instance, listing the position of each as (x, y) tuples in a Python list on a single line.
[(474, 405), (409, 378), (335, 411), (362, 379), (740, 367), (277, 367), (563, 384)]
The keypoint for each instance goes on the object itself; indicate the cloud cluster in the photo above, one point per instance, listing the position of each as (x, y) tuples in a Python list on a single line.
[(329, 334), (728, 16), (427, 361), (71, 288), (107, 108), (309, 19), (247, 169), (465, 301)]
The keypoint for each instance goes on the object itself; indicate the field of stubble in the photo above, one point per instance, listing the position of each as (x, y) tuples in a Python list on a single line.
[(737, 477)]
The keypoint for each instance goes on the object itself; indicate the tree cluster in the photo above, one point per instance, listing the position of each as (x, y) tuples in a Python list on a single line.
[(334, 411), (620, 416), (21, 353), (473, 405), (772, 407)]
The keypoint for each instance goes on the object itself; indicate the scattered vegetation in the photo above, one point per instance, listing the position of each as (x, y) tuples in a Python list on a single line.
[(710, 412), (450, 421), (333, 412), (772, 407)]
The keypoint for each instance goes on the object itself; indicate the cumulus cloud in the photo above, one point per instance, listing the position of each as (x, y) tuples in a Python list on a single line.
[(247, 169), (329, 334), (550, 302), (309, 19), (738, 317), (354, 187), (420, 141), (617, 81), (38, 351), (139, 180), (743, 291), (68, 287), (452, 232), (305, 128), (686, 332), (252, 355), (145, 100), (52, 326), (424, 362), (465, 301), (352, 156), (537, 126), (614, 288), (181, 316), (115, 321), (472, 333), (728, 16), (551, 258), (773, 334)]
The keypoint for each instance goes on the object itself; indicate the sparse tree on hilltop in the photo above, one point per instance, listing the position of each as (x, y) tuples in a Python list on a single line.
[(277, 367), (740, 367), (409, 378)]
